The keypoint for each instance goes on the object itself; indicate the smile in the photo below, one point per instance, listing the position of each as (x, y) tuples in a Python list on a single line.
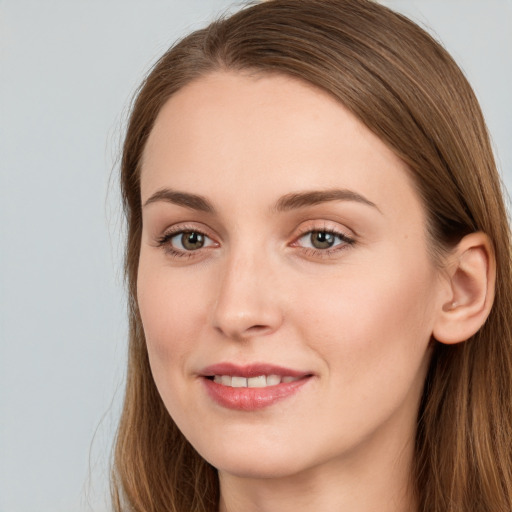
[(251, 387), (261, 381)]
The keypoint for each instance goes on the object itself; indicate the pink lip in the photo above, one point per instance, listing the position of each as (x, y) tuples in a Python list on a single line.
[(250, 370), (251, 399)]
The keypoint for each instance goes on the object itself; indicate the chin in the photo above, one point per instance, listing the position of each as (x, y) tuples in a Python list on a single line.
[(252, 460), (257, 469)]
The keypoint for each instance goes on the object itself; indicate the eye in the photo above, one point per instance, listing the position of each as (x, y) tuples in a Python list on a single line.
[(323, 240), (189, 240), (185, 242)]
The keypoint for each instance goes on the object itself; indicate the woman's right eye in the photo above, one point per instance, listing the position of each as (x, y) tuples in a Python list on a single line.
[(179, 243), (188, 241)]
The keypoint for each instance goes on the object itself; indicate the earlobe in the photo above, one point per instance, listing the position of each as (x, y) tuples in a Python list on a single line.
[(471, 276)]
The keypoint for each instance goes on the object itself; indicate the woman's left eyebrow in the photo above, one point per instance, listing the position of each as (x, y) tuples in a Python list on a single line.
[(309, 198)]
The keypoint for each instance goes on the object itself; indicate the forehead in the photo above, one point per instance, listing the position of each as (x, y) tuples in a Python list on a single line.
[(232, 135)]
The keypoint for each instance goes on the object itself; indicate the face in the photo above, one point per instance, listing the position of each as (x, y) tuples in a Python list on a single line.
[(285, 285)]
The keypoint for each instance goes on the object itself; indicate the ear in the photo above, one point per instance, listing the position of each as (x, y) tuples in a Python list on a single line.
[(469, 292)]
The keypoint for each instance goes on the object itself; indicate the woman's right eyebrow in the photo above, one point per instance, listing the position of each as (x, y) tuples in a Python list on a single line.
[(192, 201)]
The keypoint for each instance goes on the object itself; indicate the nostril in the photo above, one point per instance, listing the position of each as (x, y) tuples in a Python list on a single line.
[(239, 319), (258, 328)]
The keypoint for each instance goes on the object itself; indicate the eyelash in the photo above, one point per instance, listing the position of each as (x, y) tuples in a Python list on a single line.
[(346, 241)]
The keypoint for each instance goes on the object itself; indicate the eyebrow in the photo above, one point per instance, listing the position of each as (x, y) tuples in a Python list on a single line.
[(192, 201), (310, 198), (288, 202)]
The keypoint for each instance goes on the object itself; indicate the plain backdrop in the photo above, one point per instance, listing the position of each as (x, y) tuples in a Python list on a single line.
[(67, 71)]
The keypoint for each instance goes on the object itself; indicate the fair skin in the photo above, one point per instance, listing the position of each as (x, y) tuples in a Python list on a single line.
[(342, 290)]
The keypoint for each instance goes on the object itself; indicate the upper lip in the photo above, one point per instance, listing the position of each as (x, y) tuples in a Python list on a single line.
[(250, 370)]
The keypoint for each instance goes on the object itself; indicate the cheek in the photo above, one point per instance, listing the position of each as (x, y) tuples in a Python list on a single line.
[(172, 315), (372, 332), (372, 321)]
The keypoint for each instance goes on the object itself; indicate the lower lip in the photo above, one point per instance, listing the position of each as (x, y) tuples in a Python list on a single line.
[(251, 399)]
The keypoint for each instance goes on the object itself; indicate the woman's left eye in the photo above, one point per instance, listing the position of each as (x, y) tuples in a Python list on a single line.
[(323, 240)]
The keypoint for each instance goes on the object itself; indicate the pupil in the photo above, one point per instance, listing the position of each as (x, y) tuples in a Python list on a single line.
[(322, 240), (192, 241)]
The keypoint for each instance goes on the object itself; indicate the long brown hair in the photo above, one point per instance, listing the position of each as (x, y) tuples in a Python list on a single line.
[(406, 89)]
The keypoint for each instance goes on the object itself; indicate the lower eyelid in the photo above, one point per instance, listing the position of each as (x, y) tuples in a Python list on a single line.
[(327, 253)]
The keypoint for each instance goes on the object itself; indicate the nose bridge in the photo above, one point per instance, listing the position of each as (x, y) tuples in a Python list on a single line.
[(246, 301)]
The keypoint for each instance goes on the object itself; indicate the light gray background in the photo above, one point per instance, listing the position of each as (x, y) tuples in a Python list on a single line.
[(68, 69)]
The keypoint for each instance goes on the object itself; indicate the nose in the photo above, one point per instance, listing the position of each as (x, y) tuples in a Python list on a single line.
[(247, 303)]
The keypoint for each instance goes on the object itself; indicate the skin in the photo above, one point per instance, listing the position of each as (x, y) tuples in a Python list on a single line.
[(359, 316)]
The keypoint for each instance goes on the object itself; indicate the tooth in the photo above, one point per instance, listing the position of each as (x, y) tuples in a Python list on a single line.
[(225, 380), (238, 382), (257, 382), (273, 380), (217, 379), (289, 379)]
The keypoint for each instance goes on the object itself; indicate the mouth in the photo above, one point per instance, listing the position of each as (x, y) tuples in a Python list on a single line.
[(261, 381), (248, 388)]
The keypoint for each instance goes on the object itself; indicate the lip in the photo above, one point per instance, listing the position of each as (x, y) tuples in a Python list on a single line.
[(251, 399), (250, 370)]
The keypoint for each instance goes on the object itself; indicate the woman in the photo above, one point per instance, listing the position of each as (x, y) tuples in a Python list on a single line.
[(318, 262)]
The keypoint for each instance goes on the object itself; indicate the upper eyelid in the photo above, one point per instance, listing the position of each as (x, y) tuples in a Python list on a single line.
[(185, 227), (329, 229), (325, 225)]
